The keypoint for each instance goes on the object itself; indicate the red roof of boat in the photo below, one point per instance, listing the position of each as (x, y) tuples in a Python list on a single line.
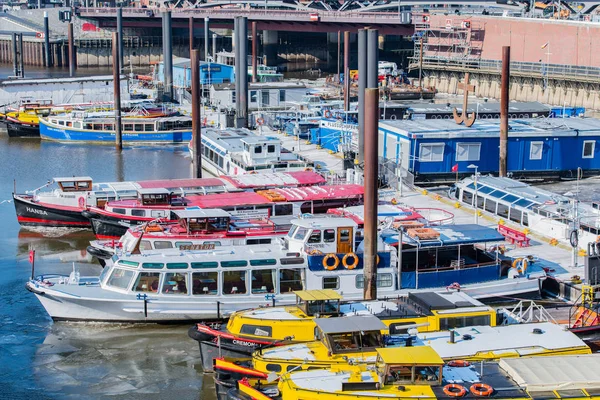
[(276, 179), (177, 183), (321, 192), (221, 200)]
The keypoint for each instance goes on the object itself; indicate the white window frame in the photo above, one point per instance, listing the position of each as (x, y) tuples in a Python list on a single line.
[(468, 144), (593, 142), (423, 145), (531, 155)]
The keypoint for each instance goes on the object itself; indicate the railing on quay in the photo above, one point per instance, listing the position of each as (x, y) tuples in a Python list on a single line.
[(530, 69)]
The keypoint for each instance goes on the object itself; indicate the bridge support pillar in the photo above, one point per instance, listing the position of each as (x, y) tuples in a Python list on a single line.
[(270, 47)]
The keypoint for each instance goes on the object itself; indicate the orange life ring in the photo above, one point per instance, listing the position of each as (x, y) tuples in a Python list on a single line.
[(345, 261), (260, 121), (327, 114), (336, 262), (252, 172), (481, 389), (153, 228), (459, 363), (455, 390), (315, 252)]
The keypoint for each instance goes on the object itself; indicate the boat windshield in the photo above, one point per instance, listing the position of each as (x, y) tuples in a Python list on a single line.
[(404, 374), (355, 341), (300, 233)]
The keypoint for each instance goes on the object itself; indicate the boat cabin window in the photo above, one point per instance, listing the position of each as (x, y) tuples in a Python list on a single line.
[(146, 282), (383, 280), (271, 148), (139, 127), (354, 341), (120, 278), (138, 213), (321, 307), (263, 281), (329, 236), (284, 209), (257, 330), (290, 280), (331, 282), (145, 245), (315, 236), (412, 374), (208, 224), (205, 283), (158, 198), (128, 127), (460, 322), (162, 244), (175, 283), (179, 244), (300, 233), (206, 264), (257, 149), (153, 265), (234, 282), (177, 265), (119, 211), (148, 127), (75, 186), (344, 235)]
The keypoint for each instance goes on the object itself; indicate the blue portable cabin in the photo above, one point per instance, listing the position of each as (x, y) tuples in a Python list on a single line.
[(209, 72), (536, 147), (567, 112), (338, 131)]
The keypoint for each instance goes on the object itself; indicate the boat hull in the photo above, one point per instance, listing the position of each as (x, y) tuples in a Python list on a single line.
[(30, 213), (65, 134), (111, 229), (16, 129)]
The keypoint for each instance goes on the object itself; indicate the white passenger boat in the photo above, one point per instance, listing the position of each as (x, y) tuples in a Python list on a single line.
[(317, 253), (542, 211)]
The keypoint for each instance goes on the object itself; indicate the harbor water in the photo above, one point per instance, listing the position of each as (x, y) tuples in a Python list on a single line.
[(45, 360)]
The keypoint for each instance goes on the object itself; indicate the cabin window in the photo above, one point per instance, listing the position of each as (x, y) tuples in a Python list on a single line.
[(145, 245), (157, 214), (258, 241), (147, 282), (433, 152), (284, 209), (315, 236), (535, 150), (331, 282), (257, 330), (179, 244), (139, 127), (290, 280), (235, 263), (467, 197), (128, 263), (502, 210), (515, 215), (205, 283), (399, 328), (490, 206), (69, 123), (119, 211), (271, 148), (148, 127), (253, 96), (383, 280), (588, 148), (87, 126), (128, 127), (138, 213), (257, 149), (292, 260), (281, 95), (344, 235), (177, 265), (213, 242), (467, 151), (108, 127), (153, 265), (300, 233), (175, 283), (266, 261), (273, 367), (265, 97), (205, 264), (61, 123), (329, 236), (120, 278), (263, 281), (460, 322), (162, 244), (234, 282)]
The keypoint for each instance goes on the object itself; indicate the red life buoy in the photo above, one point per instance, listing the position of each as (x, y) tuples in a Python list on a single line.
[(455, 390), (481, 389), (260, 121), (327, 114)]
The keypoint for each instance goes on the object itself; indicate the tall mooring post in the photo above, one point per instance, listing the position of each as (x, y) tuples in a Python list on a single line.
[(373, 59), (371, 196), (214, 46), (346, 71), (191, 34), (15, 55), (206, 38), (21, 56), (120, 32), (168, 54), (362, 85), (117, 91), (339, 43), (47, 55), (254, 52), (504, 94), (241, 58), (196, 124), (71, 50)]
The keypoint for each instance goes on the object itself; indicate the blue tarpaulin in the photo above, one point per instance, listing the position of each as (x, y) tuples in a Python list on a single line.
[(452, 235), (446, 278)]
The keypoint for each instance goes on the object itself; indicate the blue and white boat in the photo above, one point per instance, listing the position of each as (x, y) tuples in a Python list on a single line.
[(100, 128), (317, 253)]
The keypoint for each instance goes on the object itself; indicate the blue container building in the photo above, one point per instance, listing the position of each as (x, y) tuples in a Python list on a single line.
[(209, 72)]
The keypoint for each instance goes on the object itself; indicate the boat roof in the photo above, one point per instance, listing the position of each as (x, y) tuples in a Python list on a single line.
[(232, 139), (512, 192), (554, 372), (357, 213), (316, 295), (517, 338), (181, 183), (321, 192), (220, 200), (322, 222), (350, 324), (202, 213), (416, 355), (266, 179), (72, 179), (444, 300), (450, 235), (158, 190)]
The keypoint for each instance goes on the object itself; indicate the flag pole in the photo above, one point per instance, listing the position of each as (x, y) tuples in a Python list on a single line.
[(32, 259)]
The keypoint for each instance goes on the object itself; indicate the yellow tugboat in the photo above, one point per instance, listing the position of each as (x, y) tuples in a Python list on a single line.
[(408, 373), (25, 122), (249, 330)]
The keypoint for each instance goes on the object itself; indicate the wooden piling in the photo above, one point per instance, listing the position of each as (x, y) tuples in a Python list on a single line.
[(117, 90), (196, 124)]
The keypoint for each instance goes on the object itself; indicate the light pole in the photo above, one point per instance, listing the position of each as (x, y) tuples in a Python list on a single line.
[(476, 193)]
